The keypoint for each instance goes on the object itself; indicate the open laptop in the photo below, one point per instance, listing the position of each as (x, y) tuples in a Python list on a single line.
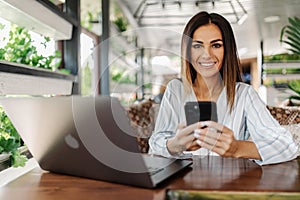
[(87, 137)]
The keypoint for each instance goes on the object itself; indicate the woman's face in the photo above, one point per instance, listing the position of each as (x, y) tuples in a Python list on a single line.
[(207, 50)]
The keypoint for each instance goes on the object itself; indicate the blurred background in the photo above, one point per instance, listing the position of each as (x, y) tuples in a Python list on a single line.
[(131, 49)]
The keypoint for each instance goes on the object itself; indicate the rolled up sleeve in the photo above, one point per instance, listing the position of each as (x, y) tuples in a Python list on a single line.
[(167, 120), (274, 143)]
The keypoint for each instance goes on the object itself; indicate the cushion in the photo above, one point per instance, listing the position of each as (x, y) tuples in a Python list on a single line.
[(143, 115), (295, 130), (285, 115)]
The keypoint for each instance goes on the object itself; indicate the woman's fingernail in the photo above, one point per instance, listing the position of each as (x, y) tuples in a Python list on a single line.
[(198, 142), (197, 131), (196, 135), (203, 124), (212, 130)]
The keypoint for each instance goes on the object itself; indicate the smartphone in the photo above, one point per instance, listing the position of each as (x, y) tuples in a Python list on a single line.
[(196, 111)]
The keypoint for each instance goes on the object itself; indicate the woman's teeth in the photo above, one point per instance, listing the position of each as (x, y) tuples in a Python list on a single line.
[(207, 64)]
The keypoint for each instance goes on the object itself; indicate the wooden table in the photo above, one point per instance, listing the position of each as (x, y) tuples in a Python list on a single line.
[(206, 174)]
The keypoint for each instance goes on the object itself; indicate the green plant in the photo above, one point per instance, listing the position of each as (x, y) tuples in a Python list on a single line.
[(282, 57), (120, 76), (282, 71), (121, 23), (10, 141), (86, 80), (295, 86), (292, 33), (20, 49), (88, 19)]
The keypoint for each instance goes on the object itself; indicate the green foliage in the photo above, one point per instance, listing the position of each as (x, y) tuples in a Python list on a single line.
[(10, 140), (88, 19), (120, 76), (2, 26), (17, 159), (148, 85), (121, 23), (86, 80), (295, 86), (283, 56), (20, 49), (282, 71), (292, 33)]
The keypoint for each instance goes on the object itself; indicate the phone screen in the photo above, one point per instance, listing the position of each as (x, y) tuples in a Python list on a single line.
[(196, 111)]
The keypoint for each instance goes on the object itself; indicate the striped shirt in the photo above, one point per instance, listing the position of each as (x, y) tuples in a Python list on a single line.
[(249, 120)]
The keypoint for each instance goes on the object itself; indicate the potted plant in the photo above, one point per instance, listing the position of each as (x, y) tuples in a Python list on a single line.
[(10, 143), (20, 49), (290, 35), (294, 85)]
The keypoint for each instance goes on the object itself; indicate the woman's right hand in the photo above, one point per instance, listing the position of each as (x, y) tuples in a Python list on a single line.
[(184, 139)]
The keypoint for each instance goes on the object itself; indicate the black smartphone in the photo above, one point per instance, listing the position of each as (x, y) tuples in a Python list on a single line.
[(196, 111)]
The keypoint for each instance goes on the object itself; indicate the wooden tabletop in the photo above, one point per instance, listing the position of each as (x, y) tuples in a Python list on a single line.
[(206, 174)]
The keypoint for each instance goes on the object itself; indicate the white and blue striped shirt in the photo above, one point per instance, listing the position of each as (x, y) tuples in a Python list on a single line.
[(249, 120)]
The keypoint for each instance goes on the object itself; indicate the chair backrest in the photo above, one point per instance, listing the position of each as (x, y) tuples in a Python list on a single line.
[(285, 115), (143, 116)]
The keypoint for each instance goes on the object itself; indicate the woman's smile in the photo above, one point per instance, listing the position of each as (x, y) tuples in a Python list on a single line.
[(207, 64)]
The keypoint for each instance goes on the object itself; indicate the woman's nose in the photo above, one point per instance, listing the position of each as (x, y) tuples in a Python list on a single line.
[(206, 53)]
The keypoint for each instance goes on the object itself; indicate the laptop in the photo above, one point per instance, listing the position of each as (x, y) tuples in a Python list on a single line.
[(88, 137)]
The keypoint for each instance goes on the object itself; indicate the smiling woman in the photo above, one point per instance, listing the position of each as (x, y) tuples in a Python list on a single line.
[(211, 71)]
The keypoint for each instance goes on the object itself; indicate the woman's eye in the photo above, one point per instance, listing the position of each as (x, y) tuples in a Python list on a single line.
[(196, 46), (217, 45)]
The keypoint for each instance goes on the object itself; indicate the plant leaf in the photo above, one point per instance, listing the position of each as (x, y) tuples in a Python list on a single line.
[(295, 86), (294, 22), (282, 32), (18, 160), (296, 51), (295, 41), (293, 30), (292, 33)]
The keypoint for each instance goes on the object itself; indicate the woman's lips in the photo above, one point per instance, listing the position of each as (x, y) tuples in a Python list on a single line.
[(207, 64)]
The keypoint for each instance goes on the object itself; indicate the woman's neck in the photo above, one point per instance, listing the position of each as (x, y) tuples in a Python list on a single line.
[(208, 89)]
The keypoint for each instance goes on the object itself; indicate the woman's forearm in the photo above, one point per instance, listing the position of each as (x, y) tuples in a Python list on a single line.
[(247, 149)]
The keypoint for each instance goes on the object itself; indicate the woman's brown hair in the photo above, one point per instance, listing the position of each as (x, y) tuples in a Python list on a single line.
[(231, 68)]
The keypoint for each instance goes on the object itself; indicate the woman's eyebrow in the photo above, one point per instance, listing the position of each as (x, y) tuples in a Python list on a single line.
[(213, 41), (217, 40), (197, 41)]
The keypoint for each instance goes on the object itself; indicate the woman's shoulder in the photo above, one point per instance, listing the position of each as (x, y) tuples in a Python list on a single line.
[(175, 83), (175, 88), (240, 86), (245, 90)]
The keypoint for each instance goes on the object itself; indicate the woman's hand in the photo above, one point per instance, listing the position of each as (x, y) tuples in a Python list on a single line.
[(220, 139), (184, 139), (217, 138)]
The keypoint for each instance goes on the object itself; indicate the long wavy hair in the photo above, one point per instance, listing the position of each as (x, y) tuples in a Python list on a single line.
[(231, 71)]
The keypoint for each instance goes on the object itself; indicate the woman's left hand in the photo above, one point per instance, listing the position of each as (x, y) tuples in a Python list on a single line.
[(217, 138)]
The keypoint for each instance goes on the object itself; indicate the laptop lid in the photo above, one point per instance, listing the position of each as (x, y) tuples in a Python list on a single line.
[(85, 136)]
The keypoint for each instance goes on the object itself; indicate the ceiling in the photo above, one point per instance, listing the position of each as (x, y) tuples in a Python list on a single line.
[(159, 23)]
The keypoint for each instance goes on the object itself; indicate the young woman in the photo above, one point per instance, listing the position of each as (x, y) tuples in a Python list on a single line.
[(211, 71)]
